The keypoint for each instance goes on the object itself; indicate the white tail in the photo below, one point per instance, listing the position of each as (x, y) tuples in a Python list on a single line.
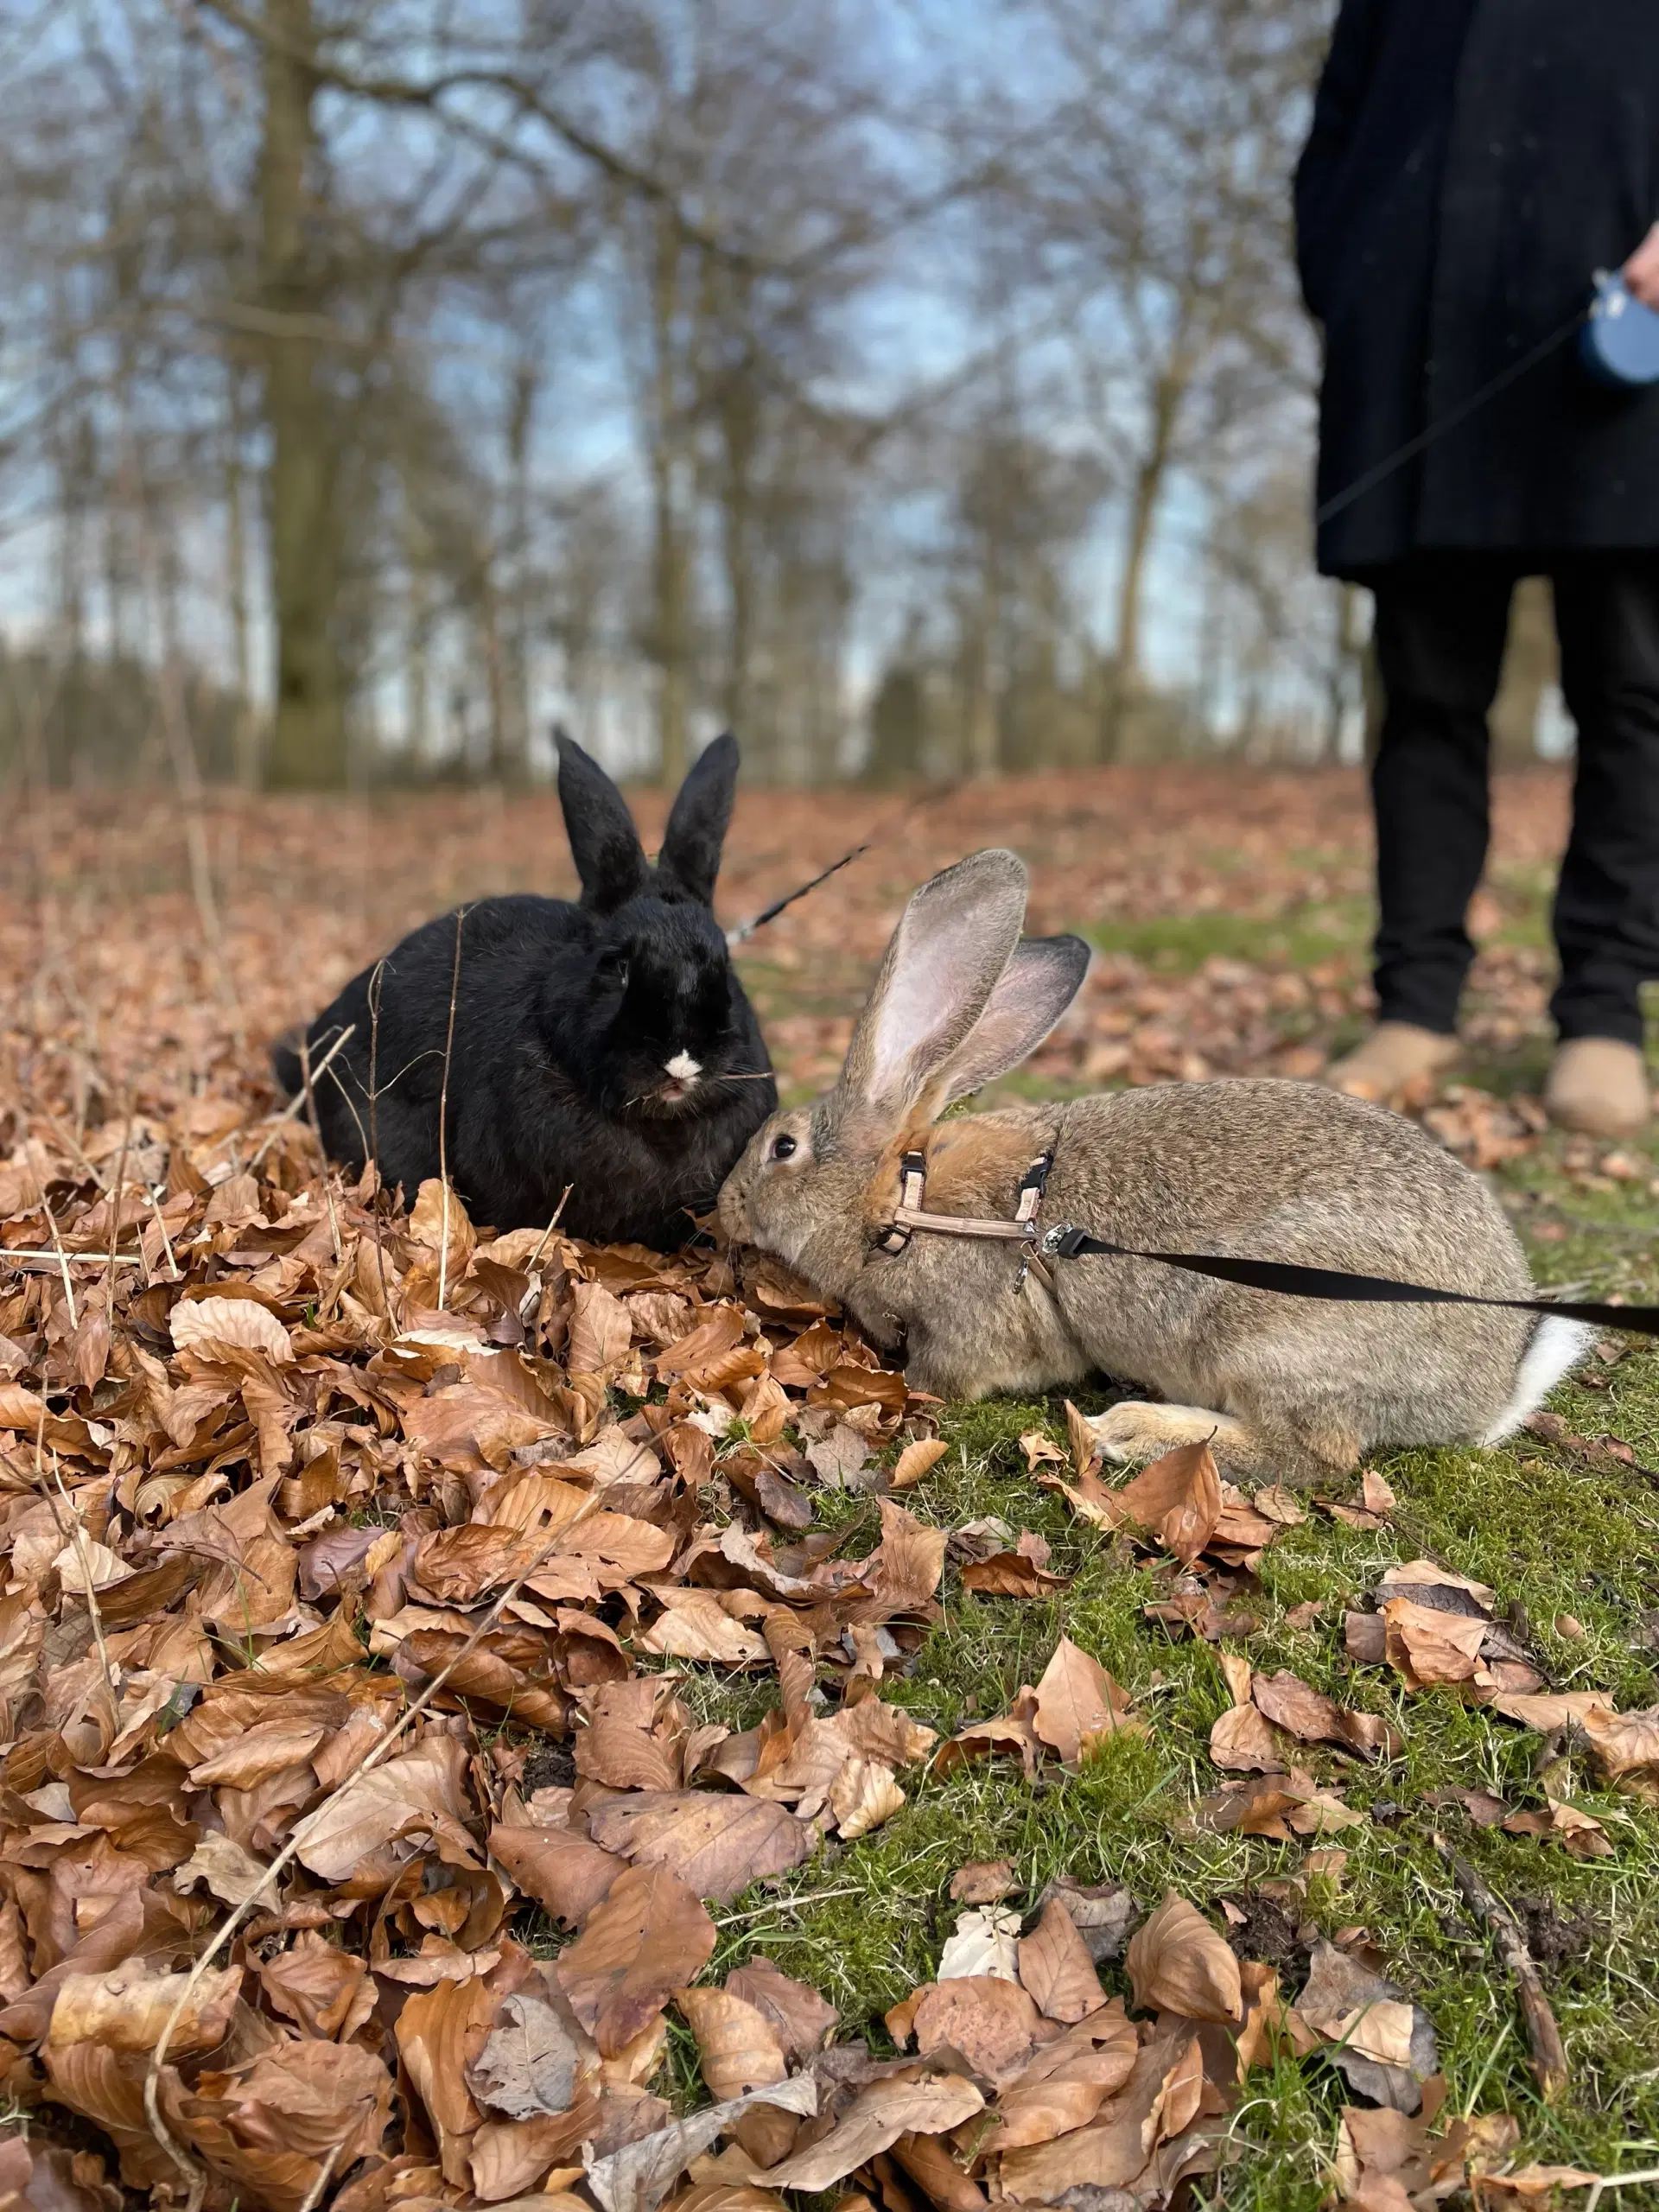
[(1555, 1345)]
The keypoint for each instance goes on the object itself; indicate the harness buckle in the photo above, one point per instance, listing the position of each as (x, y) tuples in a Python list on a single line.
[(1063, 1242)]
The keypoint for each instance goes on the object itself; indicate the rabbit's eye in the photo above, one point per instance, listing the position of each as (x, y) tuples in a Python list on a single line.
[(613, 967), (783, 1147)]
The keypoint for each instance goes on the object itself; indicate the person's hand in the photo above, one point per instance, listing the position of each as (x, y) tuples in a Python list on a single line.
[(1641, 272)]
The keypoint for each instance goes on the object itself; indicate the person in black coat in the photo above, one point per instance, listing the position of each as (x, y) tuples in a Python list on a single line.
[(1472, 164)]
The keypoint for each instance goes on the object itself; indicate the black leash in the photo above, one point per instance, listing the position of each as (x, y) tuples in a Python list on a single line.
[(1459, 415), (1290, 1279), (744, 930)]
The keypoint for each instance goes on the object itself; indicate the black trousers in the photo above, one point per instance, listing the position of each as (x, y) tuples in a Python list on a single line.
[(1441, 619)]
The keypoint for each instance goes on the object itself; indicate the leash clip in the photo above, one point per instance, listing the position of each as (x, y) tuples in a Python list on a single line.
[(1063, 1242)]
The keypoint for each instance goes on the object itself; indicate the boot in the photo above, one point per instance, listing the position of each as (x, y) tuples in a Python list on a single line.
[(1395, 1054), (1600, 1086)]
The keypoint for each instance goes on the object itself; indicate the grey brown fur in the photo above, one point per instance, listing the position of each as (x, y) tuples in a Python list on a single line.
[(1286, 1387)]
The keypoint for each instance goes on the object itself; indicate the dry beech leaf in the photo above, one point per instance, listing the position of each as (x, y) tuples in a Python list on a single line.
[(241, 1322), (126, 2008), (717, 1845), (1578, 1833), (695, 1625), (637, 2178), (917, 1459), (1243, 1741), (992, 2023), (1056, 1969), (1077, 1702), (802, 2020), (528, 2066), (984, 1881), (1177, 1963), (985, 1942), (1625, 1744), (862, 1796), (738, 2048), (411, 1792), (873, 2121), (649, 1937), (565, 1873)]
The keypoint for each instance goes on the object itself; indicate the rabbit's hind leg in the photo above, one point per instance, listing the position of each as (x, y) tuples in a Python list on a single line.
[(1263, 1449), (1138, 1430)]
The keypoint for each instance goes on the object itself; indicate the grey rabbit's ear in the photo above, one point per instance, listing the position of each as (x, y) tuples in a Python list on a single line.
[(697, 827), (604, 844), (1043, 974), (941, 966)]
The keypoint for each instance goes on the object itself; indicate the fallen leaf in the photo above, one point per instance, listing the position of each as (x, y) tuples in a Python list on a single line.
[(696, 1626), (1102, 1915), (566, 1874), (1056, 1969), (649, 1937), (1243, 1741), (637, 2178), (418, 1792), (992, 2023), (984, 1881), (738, 2047), (873, 2121), (802, 2020), (862, 1796), (1579, 1834), (917, 1459), (125, 2008), (241, 1322), (529, 2064), (1312, 1717), (1177, 1963), (1078, 1703), (985, 1942), (1625, 1744), (1384, 2045), (716, 1844)]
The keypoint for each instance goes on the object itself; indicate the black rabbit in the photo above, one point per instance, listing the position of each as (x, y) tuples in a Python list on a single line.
[(606, 1045)]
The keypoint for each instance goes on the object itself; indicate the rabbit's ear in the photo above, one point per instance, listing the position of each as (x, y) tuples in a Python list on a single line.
[(604, 844), (936, 976), (697, 827), (1043, 977)]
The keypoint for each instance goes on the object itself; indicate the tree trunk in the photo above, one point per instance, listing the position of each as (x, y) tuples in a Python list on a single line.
[(670, 557), (307, 746), (1531, 662), (247, 747), (1168, 391)]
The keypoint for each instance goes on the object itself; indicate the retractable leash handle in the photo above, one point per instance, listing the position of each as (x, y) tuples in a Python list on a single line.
[(1619, 341)]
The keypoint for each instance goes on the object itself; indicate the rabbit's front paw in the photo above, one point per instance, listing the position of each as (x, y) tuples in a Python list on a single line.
[(1136, 1430)]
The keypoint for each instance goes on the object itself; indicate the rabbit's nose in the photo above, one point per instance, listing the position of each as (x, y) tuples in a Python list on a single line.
[(683, 1067)]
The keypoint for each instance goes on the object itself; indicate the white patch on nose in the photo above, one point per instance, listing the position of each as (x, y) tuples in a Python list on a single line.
[(683, 1068)]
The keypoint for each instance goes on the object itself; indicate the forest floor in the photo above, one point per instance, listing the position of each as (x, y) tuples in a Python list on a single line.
[(303, 1456)]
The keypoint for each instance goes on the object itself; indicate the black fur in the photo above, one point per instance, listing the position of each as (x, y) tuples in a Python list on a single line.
[(566, 1016)]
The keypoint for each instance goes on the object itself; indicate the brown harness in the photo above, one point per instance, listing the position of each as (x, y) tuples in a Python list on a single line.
[(910, 1215)]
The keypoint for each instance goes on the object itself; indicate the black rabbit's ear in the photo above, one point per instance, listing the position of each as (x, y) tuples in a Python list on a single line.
[(604, 844), (696, 827)]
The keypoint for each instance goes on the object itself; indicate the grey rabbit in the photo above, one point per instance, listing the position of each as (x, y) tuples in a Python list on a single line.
[(1284, 1387)]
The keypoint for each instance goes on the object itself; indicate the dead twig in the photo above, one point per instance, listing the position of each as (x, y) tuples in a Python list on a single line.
[(1543, 2037), (297, 1104), (443, 1122), (62, 1256), (310, 1098)]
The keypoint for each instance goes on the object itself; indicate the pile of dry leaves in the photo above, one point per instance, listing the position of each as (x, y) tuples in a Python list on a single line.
[(359, 1837)]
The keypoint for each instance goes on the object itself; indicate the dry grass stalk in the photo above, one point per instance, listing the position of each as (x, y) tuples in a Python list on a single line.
[(443, 1121), (300, 1103)]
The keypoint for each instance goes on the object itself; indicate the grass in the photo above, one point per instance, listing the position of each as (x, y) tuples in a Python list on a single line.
[(1555, 1537)]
